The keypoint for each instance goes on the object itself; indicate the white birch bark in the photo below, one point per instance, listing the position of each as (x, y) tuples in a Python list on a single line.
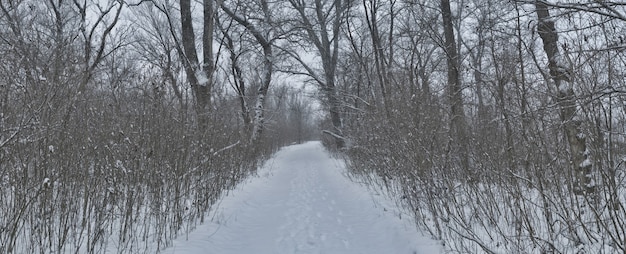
[(266, 76), (566, 100)]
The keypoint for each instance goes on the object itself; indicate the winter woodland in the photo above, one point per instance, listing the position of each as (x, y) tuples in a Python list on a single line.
[(499, 125)]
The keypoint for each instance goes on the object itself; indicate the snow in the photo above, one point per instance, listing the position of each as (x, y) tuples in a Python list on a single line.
[(302, 203), (202, 78), (564, 87), (585, 163), (46, 182)]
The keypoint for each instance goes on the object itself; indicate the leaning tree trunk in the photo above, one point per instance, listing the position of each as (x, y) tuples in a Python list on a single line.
[(566, 101)]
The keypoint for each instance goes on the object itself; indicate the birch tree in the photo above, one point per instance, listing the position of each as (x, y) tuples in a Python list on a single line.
[(264, 39), (561, 75)]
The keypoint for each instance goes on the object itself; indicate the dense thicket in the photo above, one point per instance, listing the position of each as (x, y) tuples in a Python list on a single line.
[(500, 125), (534, 161), (107, 144)]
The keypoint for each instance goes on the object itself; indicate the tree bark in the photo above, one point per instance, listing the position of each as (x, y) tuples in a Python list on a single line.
[(327, 45), (208, 66), (580, 162), (455, 91), (198, 76), (238, 79), (266, 75), (382, 68)]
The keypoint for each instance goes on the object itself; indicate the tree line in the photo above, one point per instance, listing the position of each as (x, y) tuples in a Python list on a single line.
[(123, 122), (498, 124)]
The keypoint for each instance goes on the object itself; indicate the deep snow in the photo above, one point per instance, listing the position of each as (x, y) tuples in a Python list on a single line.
[(302, 203)]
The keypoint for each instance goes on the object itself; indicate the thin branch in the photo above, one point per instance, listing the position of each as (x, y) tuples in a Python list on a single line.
[(226, 148)]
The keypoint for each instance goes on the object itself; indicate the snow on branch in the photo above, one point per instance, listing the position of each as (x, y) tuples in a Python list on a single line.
[(596, 7), (203, 79), (335, 135), (226, 148), (6, 141)]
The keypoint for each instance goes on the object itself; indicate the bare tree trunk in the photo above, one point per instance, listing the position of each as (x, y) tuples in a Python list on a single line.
[(371, 15), (208, 66), (335, 115), (327, 45), (198, 76), (91, 59), (259, 116), (455, 91), (330, 66), (268, 68), (238, 79), (205, 75), (566, 100)]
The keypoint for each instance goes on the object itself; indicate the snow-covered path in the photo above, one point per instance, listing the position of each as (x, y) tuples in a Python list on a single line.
[(301, 203)]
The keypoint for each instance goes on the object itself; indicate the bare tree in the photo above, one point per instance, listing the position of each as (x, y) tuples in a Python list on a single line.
[(95, 149), (383, 62), (156, 46), (94, 36), (200, 76), (561, 74), (238, 79), (458, 123), (264, 39), (319, 24)]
